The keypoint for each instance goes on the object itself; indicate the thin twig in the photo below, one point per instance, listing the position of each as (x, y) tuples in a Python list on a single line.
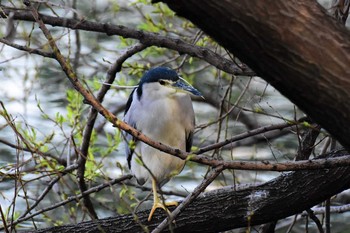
[(244, 135), (328, 215), (27, 49), (163, 192), (328, 201), (292, 223), (34, 151), (4, 220), (316, 220)]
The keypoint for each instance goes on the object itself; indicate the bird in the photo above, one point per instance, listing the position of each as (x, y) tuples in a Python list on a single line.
[(161, 108)]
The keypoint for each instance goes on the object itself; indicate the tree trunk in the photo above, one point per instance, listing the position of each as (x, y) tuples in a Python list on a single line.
[(294, 45)]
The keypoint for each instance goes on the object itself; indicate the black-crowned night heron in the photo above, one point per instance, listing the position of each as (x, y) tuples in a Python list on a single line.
[(161, 108)]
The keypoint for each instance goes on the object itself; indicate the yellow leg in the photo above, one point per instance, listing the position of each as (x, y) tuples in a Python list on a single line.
[(157, 203)]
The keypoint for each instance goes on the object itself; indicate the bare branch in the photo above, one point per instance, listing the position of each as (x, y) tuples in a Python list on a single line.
[(146, 38), (27, 49), (244, 135), (316, 220), (48, 188)]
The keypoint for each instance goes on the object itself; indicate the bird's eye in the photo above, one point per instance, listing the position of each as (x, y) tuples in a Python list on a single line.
[(162, 82)]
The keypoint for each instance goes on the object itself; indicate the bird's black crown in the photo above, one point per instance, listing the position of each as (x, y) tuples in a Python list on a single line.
[(156, 74)]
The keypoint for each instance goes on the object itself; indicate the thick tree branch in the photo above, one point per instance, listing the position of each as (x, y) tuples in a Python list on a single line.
[(229, 208), (293, 45)]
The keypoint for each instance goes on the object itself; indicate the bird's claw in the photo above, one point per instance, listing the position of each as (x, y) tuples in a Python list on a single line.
[(161, 205)]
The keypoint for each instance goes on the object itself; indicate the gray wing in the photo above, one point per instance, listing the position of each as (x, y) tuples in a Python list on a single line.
[(130, 121)]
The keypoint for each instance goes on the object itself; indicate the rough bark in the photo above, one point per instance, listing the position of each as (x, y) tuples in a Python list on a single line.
[(288, 194), (294, 45)]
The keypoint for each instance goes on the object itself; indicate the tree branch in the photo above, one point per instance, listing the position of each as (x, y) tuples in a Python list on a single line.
[(247, 134), (230, 208), (146, 38), (26, 49)]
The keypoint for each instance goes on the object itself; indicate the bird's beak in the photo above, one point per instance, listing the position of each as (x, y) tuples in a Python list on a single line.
[(183, 86)]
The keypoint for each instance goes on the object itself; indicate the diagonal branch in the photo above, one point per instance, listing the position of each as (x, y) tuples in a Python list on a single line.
[(116, 67)]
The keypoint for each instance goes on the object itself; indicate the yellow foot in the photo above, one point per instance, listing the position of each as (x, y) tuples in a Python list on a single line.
[(158, 204)]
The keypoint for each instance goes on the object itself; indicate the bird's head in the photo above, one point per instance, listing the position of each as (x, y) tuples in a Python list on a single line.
[(164, 81)]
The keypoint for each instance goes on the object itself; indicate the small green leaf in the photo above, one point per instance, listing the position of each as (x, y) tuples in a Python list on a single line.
[(138, 160), (306, 124), (189, 157)]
